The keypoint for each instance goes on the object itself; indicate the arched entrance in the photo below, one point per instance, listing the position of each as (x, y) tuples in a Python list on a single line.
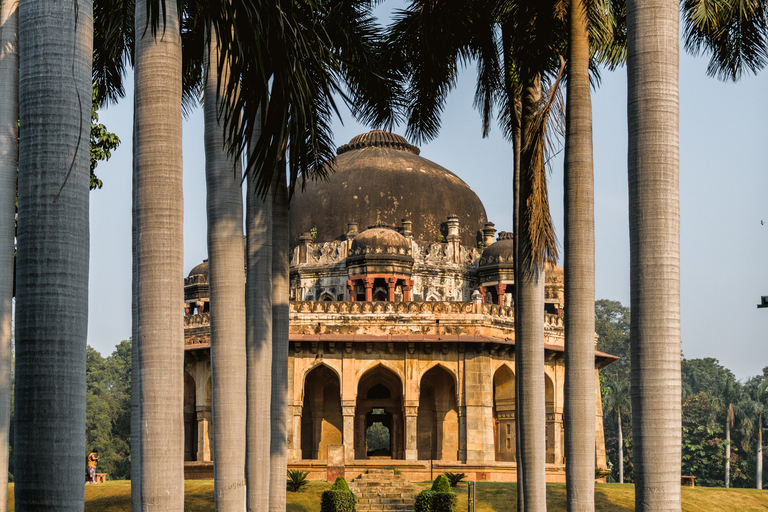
[(321, 419), (504, 414), (438, 420), (553, 433), (379, 416), (190, 419)]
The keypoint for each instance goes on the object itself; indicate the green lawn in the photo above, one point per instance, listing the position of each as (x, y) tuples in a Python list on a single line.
[(115, 496)]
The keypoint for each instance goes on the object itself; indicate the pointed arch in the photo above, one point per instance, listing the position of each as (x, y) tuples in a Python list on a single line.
[(379, 418), (314, 364), (504, 414), (321, 415), (437, 424)]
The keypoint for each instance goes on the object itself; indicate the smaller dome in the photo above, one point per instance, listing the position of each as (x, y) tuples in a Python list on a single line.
[(501, 252), (200, 270), (381, 239)]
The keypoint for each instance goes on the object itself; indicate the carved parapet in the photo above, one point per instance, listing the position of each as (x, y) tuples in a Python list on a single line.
[(197, 320)]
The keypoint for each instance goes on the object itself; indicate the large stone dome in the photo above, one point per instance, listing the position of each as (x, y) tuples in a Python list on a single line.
[(380, 178)]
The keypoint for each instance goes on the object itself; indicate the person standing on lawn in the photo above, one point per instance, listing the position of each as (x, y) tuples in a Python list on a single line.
[(93, 459)]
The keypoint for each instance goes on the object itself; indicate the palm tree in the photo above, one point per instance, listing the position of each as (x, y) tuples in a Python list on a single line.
[(754, 409), (279, 399), (157, 260), (434, 38), (258, 307), (654, 219), (52, 256), (579, 251), (227, 293), (730, 397), (9, 158), (618, 399)]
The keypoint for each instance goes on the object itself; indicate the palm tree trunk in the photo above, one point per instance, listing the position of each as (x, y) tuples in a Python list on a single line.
[(579, 273), (226, 279), (728, 446), (158, 260), (9, 161), (654, 218), (621, 452), (514, 103), (759, 463), (530, 327), (258, 332), (279, 405), (55, 45)]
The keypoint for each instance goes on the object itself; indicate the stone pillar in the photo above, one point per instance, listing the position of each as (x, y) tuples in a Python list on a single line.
[(348, 434), (297, 431), (304, 240), (407, 288), (203, 433), (368, 281), (483, 293), (453, 237), (558, 429), (462, 455), (391, 282), (479, 406), (488, 232), (352, 291), (500, 293), (600, 461), (411, 414)]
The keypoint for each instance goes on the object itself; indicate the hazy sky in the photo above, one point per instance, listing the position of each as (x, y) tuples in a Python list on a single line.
[(723, 191)]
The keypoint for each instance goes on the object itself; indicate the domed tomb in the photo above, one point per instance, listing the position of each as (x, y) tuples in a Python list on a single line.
[(196, 284), (380, 177)]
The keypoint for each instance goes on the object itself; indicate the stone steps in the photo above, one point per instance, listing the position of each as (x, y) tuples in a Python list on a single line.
[(381, 490)]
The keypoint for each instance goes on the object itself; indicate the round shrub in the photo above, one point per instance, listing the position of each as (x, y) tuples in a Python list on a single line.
[(340, 484), (441, 484)]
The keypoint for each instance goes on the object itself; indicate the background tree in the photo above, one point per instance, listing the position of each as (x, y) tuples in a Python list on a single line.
[(108, 409), (616, 398), (755, 410)]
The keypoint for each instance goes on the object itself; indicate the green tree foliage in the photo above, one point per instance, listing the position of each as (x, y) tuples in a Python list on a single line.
[(102, 141), (704, 442), (108, 410), (704, 376), (612, 327)]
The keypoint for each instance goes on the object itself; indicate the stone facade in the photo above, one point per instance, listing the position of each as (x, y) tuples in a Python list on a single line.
[(402, 349)]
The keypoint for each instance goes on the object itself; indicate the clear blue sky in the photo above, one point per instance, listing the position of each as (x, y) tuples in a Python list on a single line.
[(723, 193)]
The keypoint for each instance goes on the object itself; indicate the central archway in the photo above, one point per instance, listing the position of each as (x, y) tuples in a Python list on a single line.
[(379, 415)]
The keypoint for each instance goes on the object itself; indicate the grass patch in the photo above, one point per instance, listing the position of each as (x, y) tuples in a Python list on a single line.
[(115, 496)]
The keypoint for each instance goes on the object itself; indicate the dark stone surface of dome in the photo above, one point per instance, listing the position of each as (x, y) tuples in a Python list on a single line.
[(380, 237), (501, 252), (200, 270), (379, 177)]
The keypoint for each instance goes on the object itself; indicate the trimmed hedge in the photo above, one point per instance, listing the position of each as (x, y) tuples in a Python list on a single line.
[(337, 501), (441, 484), (433, 501), (340, 484)]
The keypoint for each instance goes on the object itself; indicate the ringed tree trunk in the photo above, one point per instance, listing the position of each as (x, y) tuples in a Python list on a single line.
[(258, 332), (279, 401), (654, 220), (621, 452), (55, 44), (728, 421), (529, 285), (759, 464), (158, 210), (579, 266), (227, 295), (9, 160)]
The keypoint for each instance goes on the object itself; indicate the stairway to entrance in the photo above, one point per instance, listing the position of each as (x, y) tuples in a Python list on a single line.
[(381, 490)]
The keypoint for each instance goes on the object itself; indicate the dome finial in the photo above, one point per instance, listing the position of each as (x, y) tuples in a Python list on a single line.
[(378, 139)]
